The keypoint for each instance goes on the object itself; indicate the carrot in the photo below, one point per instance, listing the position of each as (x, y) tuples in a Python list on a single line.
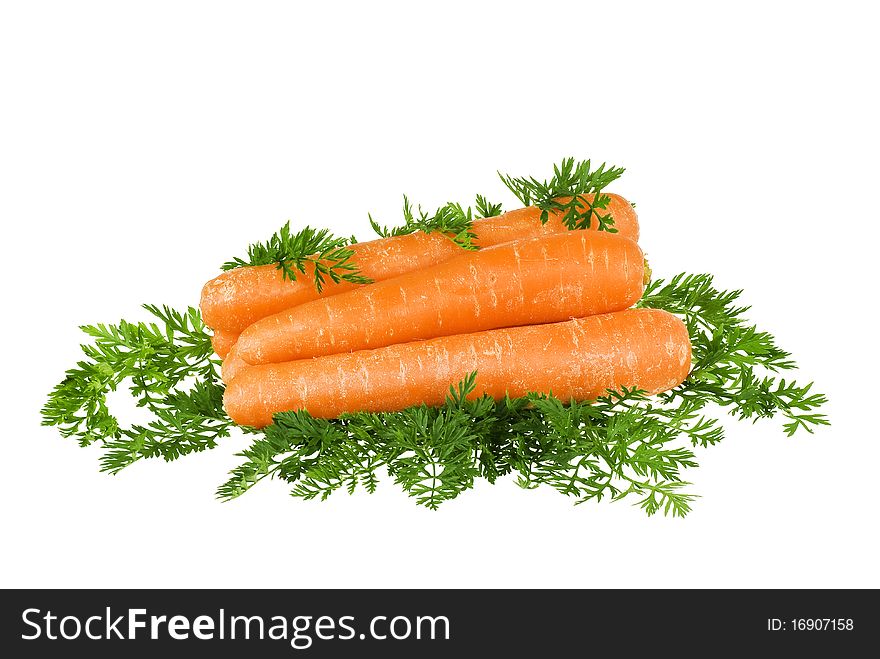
[(577, 359), (242, 296), (540, 280), (526, 222), (222, 341), (232, 365)]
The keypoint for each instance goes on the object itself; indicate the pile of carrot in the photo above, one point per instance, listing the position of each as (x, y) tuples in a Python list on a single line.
[(537, 308)]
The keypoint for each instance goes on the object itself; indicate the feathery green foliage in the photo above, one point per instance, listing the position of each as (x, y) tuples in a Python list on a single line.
[(571, 180), (170, 372), (727, 350), (486, 208), (452, 219), (329, 256)]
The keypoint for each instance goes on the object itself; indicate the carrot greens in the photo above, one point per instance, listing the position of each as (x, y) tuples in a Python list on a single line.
[(726, 352), (486, 208), (570, 180), (452, 219), (169, 371), (329, 256)]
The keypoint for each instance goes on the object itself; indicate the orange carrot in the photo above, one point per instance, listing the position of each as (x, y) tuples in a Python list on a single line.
[(222, 341), (526, 222), (540, 280), (240, 297), (577, 359), (232, 365)]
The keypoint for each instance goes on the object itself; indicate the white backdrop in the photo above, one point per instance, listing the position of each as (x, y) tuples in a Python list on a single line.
[(143, 144)]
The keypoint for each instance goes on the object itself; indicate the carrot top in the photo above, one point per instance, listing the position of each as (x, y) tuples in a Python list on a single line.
[(451, 219), (290, 253), (170, 372), (562, 193)]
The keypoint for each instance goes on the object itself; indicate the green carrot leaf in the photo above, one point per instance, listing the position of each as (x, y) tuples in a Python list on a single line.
[(564, 193), (328, 256), (168, 369)]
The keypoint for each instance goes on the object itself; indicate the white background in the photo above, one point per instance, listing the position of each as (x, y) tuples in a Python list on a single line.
[(142, 144)]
